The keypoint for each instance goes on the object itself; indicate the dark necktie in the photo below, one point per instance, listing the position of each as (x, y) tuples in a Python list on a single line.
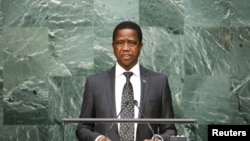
[(127, 129)]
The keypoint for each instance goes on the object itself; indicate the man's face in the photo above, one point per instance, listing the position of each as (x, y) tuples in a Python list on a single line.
[(127, 48)]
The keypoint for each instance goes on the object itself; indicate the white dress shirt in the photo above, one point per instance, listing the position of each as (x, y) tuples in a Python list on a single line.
[(120, 80)]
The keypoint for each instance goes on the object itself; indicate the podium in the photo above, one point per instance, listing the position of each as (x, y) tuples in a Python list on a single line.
[(133, 120)]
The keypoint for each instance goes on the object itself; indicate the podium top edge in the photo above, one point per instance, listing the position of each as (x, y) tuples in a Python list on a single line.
[(134, 120)]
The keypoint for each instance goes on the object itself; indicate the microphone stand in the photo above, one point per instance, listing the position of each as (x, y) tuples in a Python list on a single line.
[(125, 105), (155, 137)]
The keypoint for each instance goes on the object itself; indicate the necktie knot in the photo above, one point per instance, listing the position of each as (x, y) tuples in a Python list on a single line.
[(128, 74)]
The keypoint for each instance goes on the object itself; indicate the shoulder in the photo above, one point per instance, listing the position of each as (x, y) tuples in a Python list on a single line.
[(102, 75)]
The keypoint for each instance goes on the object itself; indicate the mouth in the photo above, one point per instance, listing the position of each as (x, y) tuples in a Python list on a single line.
[(126, 56)]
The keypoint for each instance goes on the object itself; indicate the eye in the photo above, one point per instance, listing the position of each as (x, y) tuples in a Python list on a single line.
[(132, 43), (119, 43)]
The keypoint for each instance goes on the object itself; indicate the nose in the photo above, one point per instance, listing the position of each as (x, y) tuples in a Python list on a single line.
[(126, 46)]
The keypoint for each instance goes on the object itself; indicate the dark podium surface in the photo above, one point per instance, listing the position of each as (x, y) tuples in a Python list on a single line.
[(133, 120)]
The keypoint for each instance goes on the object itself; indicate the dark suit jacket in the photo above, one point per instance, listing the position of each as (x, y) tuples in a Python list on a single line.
[(99, 102)]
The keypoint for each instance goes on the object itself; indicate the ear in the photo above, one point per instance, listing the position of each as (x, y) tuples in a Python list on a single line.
[(113, 45), (141, 45)]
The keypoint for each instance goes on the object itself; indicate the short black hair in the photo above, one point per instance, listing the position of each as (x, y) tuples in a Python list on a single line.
[(128, 25)]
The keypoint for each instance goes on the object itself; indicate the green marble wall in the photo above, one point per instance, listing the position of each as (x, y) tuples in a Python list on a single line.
[(49, 47)]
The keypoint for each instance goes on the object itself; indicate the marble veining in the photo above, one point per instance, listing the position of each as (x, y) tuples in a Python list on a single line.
[(49, 47)]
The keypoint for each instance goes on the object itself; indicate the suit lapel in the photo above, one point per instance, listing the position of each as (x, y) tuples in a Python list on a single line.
[(111, 90), (144, 86)]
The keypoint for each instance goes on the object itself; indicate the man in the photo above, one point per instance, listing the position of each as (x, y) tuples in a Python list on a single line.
[(103, 93)]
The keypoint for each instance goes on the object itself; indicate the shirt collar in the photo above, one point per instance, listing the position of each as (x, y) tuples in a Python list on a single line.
[(119, 70)]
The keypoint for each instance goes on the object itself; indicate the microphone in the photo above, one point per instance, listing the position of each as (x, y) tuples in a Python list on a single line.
[(125, 104), (136, 105), (155, 137)]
